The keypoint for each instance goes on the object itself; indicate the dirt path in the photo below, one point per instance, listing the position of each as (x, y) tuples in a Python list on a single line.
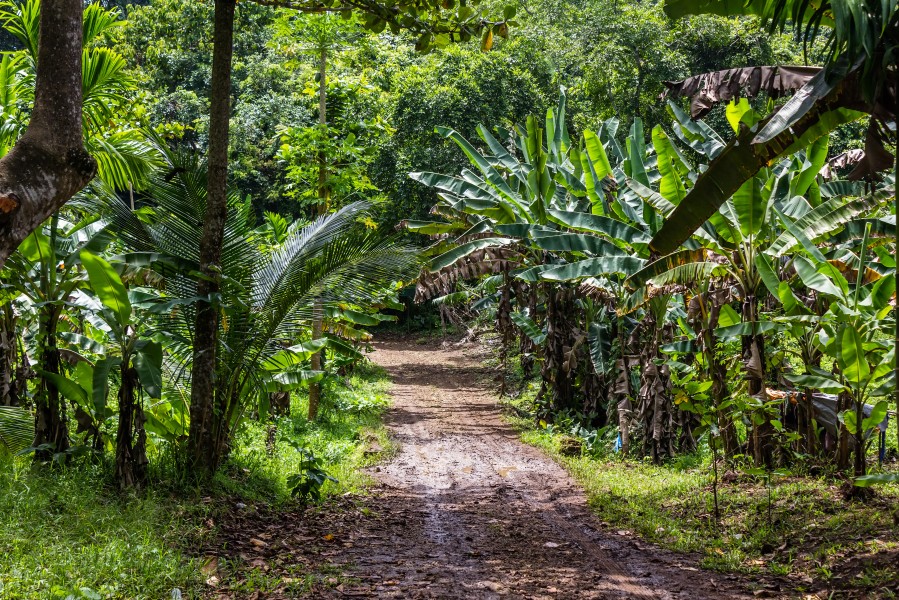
[(464, 510), (467, 511)]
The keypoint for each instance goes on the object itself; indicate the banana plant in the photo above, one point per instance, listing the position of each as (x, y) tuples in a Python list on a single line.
[(764, 219), (852, 333), (137, 357)]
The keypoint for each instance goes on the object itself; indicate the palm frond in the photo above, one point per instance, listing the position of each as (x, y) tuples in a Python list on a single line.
[(16, 428)]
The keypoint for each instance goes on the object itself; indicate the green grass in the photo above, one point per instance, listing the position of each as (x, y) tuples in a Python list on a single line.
[(68, 532), (812, 528), (65, 532), (347, 430)]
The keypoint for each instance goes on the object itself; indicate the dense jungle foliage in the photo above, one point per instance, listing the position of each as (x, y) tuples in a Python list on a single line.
[(684, 245)]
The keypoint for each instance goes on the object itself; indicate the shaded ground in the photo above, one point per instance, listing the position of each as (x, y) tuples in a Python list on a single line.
[(465, 510)]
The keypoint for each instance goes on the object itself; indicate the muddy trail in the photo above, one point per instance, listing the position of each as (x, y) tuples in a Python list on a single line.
[(465, 510)]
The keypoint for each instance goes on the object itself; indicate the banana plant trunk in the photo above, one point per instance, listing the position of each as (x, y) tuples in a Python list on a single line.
[(9, 395), (505, 330), (50, 426), (860, 463), (526, 346), (202, 449), (131, 439), (754, 353), (719, 392), (315, 388)]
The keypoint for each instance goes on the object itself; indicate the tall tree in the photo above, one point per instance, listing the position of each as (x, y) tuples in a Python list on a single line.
[(49, 163), (201, 439), (437, 26)]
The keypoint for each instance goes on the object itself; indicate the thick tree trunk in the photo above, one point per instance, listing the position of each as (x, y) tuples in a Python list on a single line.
[(315, 388), (49, 164), (202, 447)]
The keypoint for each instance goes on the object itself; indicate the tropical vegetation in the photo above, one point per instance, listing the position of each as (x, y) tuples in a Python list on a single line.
[(681, 243)]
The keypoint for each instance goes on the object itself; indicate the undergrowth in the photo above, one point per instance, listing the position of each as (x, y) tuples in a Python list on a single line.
[(66, 532), (813, 536)]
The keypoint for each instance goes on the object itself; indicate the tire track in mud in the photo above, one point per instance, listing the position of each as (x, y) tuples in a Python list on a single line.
[(465, 510)]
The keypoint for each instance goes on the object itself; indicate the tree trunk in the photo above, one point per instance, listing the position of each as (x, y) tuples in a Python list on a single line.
[(718, 375), (315, 388), (131, 454), (48, 164), (504, 328), (754, 349), (49, 421), (9, 395), (843, 403), (860, 466), (202, 453), (527, 296)]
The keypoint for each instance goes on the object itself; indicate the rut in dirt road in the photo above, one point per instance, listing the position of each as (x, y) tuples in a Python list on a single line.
[(465, 510)]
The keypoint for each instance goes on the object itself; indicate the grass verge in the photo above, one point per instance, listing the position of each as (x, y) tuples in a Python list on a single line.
[(67, 532), (798, 527)]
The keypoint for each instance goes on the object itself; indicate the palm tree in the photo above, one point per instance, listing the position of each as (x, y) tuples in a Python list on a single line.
[(267, 298)]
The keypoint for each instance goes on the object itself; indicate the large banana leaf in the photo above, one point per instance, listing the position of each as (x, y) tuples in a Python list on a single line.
[(740, 161), (672, 169), (575, 242), (527, 325), (615, 230), (593, 267), (666, 264), (750, 208), (448, 258), (827, 218)]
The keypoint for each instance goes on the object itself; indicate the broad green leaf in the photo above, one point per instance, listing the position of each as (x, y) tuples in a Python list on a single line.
[(671, 185), (614, 229), (100, 383), (527, 325), (665, 264), (812, 279), (148, 364), (750, 207), (728, 316), (575, 242), (877, 479), (815, 382), (851, 356), (740, 111), (600, 345), (68, 388), (746, 328), (878, 414), (593, 267), (108, 286), (431, 227)]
